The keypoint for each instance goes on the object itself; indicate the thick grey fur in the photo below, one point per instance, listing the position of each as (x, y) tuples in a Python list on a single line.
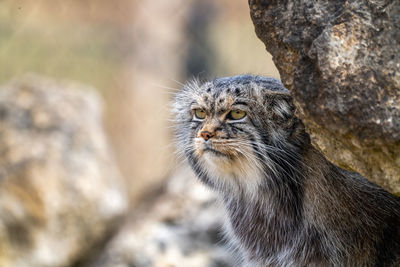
[(286, 204)]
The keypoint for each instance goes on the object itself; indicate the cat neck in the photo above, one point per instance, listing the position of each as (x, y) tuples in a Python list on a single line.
[(279, 180), (270, 222)]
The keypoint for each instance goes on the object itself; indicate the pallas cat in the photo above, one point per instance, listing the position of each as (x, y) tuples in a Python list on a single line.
[(286, 204)]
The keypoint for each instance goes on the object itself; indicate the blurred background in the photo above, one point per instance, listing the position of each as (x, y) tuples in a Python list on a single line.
[(135, 54)]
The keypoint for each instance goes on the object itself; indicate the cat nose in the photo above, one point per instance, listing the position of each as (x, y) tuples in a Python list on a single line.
[(206, 135)]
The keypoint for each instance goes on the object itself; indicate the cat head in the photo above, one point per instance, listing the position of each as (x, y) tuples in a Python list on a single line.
[(225, 126)]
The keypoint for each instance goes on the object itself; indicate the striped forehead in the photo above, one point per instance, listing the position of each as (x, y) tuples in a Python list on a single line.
[(216, 99)]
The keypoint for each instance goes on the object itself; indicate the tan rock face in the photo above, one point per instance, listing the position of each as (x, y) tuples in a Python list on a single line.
[(340, 60), (59, 189)]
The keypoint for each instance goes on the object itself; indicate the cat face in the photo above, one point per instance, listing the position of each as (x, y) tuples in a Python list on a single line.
[(225, 126)]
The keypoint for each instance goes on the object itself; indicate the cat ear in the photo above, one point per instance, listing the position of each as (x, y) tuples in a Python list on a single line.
[(282, 105)]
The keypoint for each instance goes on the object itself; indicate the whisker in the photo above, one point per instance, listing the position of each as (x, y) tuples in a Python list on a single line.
[(265, 157)]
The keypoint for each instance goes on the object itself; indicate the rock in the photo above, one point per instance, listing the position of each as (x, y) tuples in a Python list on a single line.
[(178, 226), (60, 192), (341, 61)]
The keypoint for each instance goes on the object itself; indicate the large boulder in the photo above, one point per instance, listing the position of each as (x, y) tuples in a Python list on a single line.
[(341, 61), (60, 192)]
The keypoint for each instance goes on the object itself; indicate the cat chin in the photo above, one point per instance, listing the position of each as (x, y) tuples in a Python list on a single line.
[(226, 165), (216, 158), (216, 161), (233, 174)]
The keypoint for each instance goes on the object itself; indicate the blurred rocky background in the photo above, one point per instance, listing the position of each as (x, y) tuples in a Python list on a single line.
[(88, 176), (61, 194)]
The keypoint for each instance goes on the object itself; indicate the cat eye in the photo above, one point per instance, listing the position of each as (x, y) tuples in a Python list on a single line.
[(236, 114), (199, 114)]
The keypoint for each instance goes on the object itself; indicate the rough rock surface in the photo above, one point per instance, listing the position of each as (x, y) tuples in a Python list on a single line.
[(179, 226), (60, 192), (341, 61)]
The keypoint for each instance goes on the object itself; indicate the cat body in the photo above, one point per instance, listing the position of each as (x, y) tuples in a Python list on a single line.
[(286, 205)]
